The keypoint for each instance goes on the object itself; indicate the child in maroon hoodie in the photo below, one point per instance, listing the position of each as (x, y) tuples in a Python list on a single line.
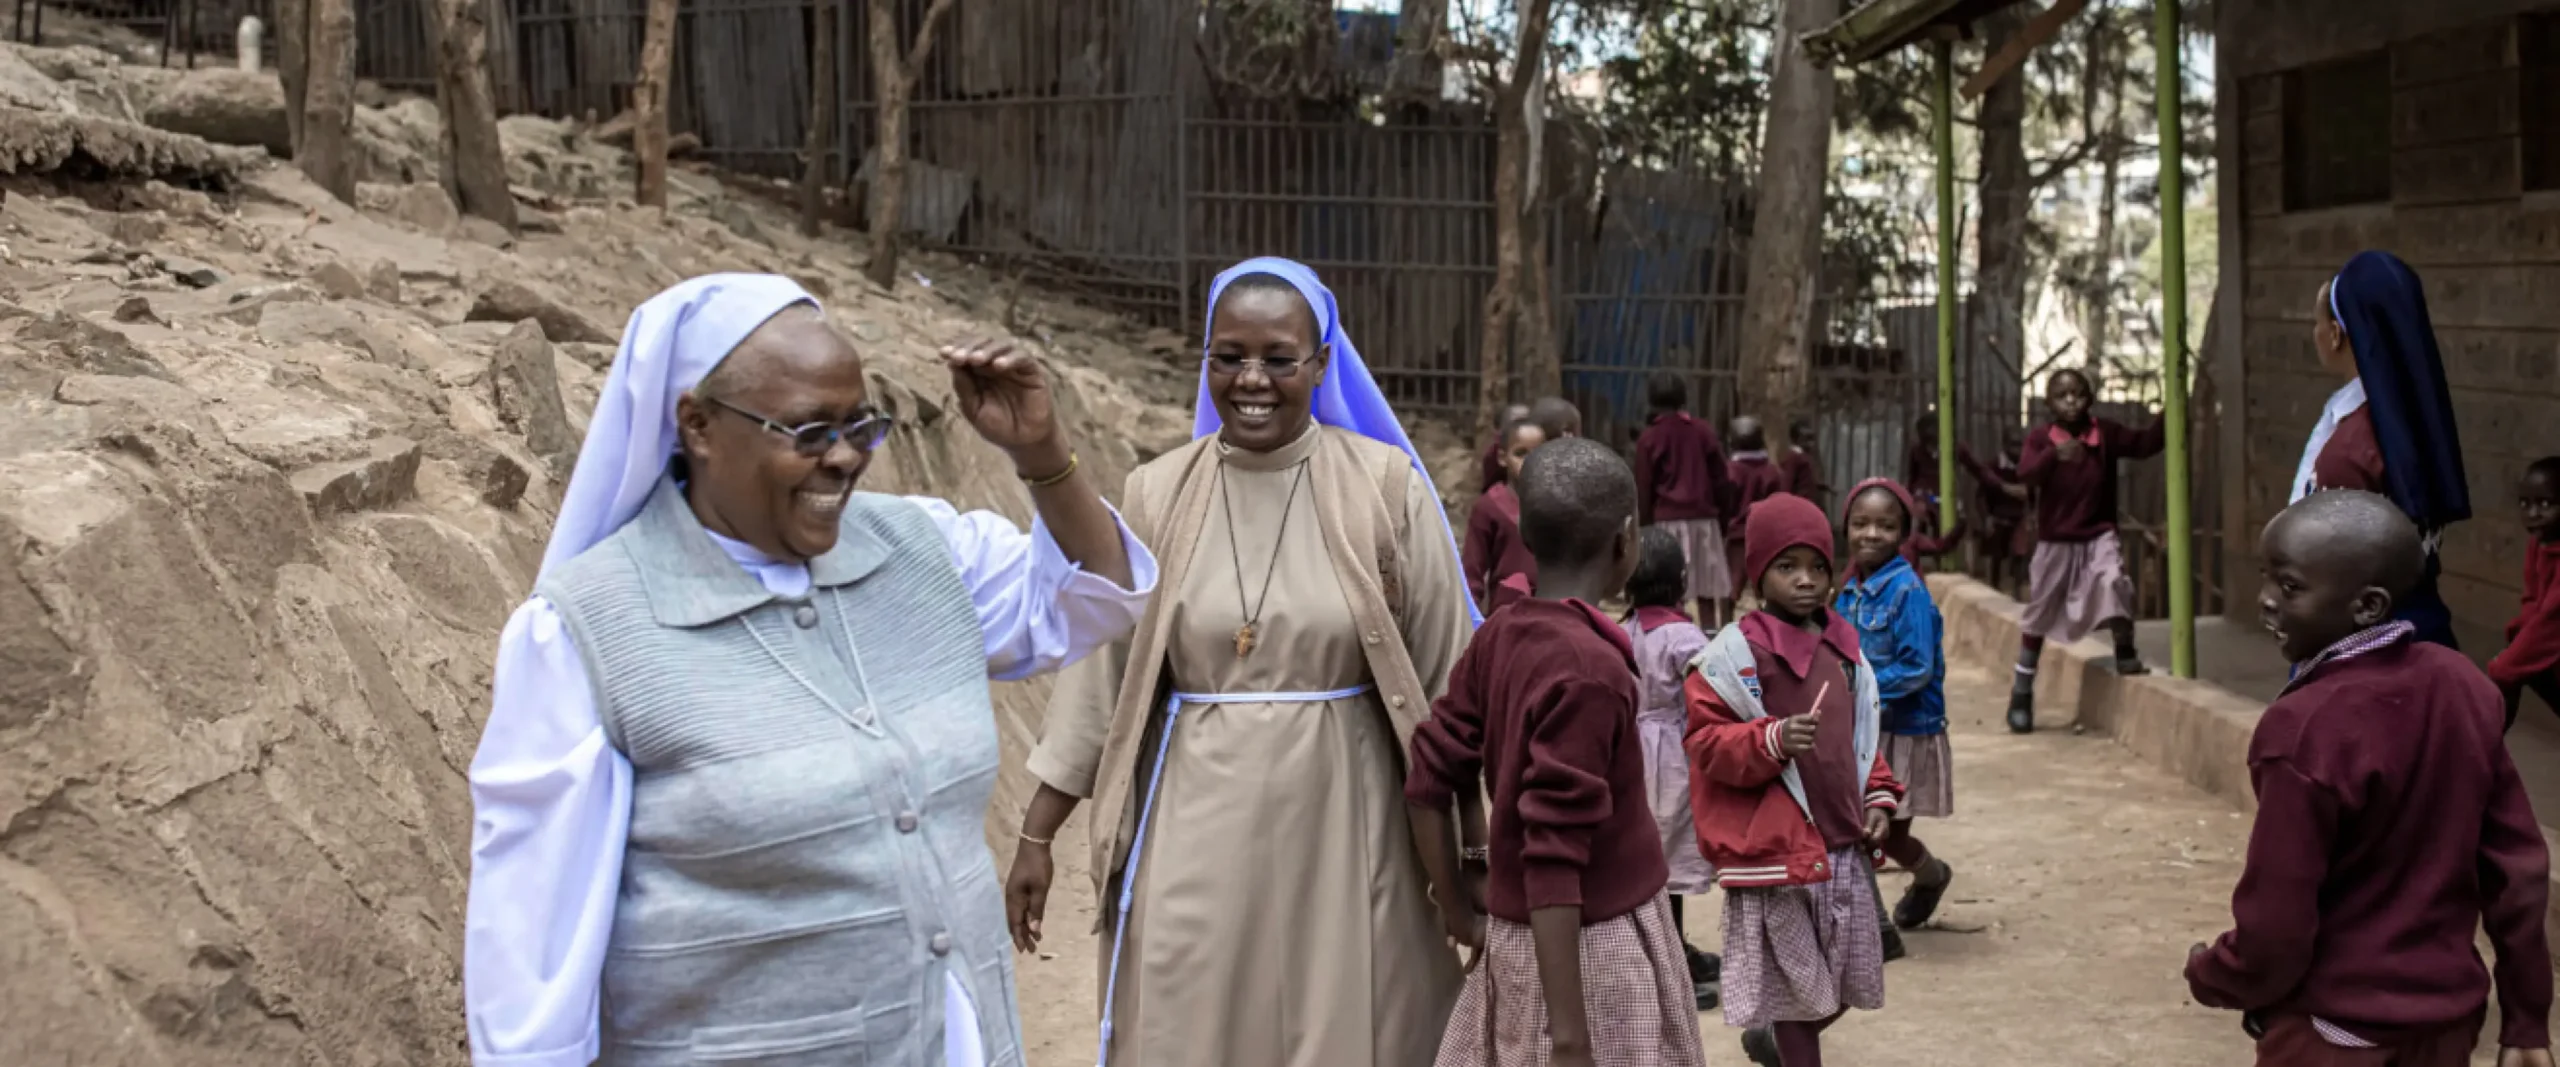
[(1790, 789), (1492, 550), (1581, 960), (1682, 488), (1751, 478), (2076, 582), (2531, 659), (2391, 825), (1494, 472)]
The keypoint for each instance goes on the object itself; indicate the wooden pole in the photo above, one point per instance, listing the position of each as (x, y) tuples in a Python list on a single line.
[(1945, 136), (2180, 535), (649, 104)]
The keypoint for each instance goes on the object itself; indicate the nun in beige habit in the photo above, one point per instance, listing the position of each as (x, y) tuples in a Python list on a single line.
[(1263, 905)]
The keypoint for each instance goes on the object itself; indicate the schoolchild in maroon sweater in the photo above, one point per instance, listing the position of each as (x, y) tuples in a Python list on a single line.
[(2076, 581), (1579, 950), (1683, 485), (1753, 477), (1492, 550), (2391, 825), (2531, 659), (1790, 790), (1804, 464), (1493, 471)]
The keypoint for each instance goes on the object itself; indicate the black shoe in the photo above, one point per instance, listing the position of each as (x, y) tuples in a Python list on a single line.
[(2128, 666), (2022, 713), (1893, 949), (1919, 902), (1704, 967), (1761, 1046), (1710, 995)]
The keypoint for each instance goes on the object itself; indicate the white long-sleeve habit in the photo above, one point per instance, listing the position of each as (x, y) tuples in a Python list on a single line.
[(553, 797)]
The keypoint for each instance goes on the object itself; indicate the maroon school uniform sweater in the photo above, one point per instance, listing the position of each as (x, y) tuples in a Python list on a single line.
[(2076, 501), (2352, 458), (2391, 825), (1804, 473), (1754, 479), (1795, 667), (1493, 550), (1491, 464), (1543, 706), (2533, 639), (1680, 470)]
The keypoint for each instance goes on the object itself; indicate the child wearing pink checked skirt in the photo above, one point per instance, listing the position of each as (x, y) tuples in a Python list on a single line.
[(1580, 965), (1665, 641), (2076, 582), (1788, 779)]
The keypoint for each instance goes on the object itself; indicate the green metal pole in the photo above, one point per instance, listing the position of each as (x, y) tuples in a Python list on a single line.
[(1944, 95), (2180, 534)]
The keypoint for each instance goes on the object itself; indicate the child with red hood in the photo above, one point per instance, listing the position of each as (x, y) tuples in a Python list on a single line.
[(2531, 659), (1790, 789)]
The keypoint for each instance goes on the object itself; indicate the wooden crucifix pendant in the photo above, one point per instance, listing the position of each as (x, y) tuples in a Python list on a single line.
[(1244, 640)]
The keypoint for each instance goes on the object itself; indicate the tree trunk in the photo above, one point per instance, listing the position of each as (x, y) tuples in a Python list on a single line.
[(649, 103), (1999, 328), (293, 63), (1786, 226), (1511, 159), (2099, 301), (894, 79), (1541, 372), (822, 117), (327, 152), (475, 161)]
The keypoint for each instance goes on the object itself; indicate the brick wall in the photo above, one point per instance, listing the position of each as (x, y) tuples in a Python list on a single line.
[(2487, 248)]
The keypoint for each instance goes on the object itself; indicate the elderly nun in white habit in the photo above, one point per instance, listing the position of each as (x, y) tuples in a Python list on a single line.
[(730, 798)]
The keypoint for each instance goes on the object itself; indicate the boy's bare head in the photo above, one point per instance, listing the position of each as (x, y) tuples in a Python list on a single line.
[(1557, 416), (1746, 435), (2334, 564), (1578, 509), (1666, 391)]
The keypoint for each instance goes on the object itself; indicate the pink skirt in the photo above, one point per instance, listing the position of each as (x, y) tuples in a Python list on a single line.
[(2074, 586), (1803, 953), (1702, 541), (1635, 992), (1666, 783), (1925, 765)]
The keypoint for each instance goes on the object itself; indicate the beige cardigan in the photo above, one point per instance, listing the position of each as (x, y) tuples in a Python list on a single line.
[(1107, 708)]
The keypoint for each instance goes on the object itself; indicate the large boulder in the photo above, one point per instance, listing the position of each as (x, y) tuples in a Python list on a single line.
[(225, 105)]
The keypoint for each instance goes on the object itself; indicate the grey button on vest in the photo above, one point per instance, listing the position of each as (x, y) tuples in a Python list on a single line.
[(806, 616), (941, 943), (906, 822)]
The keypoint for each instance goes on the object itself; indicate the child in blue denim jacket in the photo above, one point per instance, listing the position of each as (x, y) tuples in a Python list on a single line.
[(1898, 632)]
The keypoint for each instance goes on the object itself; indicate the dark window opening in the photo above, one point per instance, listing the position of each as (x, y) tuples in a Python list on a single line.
[(2538, 79), (2337, 133)]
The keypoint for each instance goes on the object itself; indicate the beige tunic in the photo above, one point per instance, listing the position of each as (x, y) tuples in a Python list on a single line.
[(1281, 918)]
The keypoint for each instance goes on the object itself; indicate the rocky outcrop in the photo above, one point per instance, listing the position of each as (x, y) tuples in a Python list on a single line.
[(225, 105)]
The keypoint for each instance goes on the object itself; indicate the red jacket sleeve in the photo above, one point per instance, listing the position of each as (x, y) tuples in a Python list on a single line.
[(1479, 551), (1447, 751), (2275, 912), (1574, 729), (2533, 639), (1723, 748), (2123, 443), (2515, 883), (1883, 789)]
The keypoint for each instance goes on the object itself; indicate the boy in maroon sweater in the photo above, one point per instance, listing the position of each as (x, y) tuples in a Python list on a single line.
[(1494, 471), (2391, 825), (1752, 478), (1579, 949), (1682, 486)]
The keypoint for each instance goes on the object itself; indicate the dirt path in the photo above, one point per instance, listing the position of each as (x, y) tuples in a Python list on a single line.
[(2083, 875)]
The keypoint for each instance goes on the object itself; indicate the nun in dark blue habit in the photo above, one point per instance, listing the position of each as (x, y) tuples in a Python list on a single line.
[(2400, 441)]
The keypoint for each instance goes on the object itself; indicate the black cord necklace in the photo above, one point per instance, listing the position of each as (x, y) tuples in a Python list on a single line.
[(1248, 633)]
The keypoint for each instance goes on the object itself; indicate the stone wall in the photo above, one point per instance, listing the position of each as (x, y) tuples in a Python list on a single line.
[(2460, 211)]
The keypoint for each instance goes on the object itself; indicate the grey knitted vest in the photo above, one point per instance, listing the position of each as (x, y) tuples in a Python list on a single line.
[(806, 860)]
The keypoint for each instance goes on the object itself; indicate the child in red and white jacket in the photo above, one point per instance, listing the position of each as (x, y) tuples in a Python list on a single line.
[(1791, 789)]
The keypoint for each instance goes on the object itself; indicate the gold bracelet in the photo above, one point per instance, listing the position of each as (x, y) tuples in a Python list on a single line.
[(1073, 461), (1030, 840)]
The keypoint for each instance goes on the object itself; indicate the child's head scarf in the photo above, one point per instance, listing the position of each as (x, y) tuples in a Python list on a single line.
[(672, 341), (2379, 301), (1349, 398), (1910, 511)]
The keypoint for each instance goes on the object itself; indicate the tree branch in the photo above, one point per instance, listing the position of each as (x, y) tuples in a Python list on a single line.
[(2071, 157), (923, 47)]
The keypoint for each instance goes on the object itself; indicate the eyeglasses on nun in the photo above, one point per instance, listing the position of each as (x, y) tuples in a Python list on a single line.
[(864, 431)]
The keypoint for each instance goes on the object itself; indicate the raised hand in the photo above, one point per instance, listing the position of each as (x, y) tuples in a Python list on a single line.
[(1003, 393)]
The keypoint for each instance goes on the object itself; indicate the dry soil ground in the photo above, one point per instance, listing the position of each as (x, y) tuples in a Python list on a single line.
[(2082, 876)]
